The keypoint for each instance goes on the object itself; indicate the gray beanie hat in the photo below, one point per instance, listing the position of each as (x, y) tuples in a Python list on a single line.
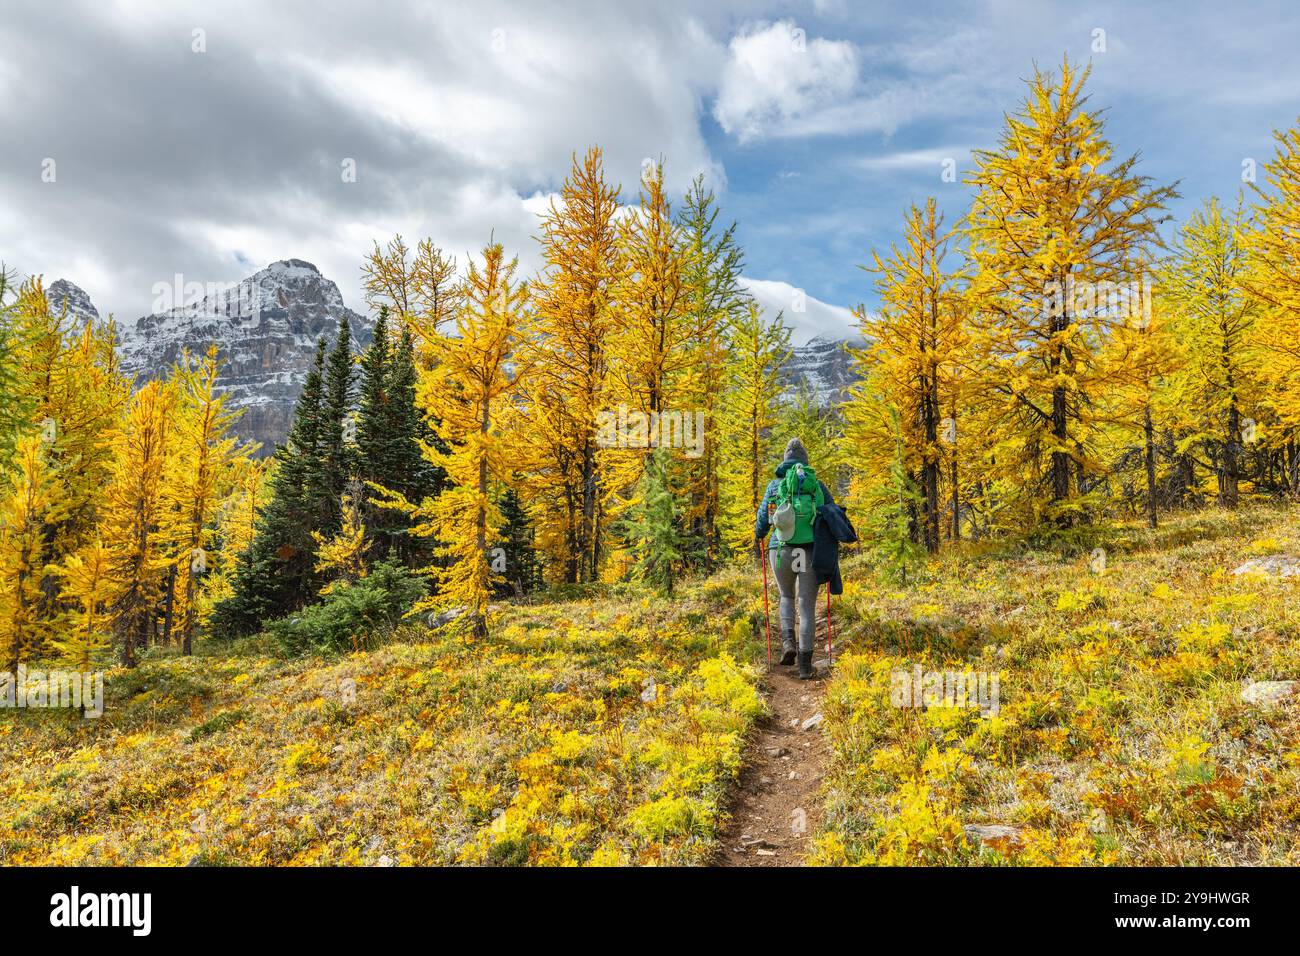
[(794, 451)]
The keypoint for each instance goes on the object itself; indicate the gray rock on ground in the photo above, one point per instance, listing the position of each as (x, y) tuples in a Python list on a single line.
[(1269, 693), (1274, 566), (995, 835)]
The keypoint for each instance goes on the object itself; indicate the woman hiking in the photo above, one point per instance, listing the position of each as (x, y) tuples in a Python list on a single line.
[(789, 509)]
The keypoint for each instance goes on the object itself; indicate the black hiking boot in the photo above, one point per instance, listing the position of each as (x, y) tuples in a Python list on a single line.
[(805, 665), (788, 648)]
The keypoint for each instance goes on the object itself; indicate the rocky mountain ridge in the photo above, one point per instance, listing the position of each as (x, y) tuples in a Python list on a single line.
[(266, 328)]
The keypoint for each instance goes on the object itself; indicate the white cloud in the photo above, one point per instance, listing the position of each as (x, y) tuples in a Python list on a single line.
[(776, 75), (915, 159), (808, 317), (461, 120)]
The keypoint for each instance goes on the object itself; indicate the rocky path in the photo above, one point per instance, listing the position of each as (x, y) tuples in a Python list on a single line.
[(777, 805)]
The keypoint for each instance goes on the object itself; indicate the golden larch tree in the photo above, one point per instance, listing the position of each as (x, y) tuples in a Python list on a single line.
[(465, 396), (1055, 219), (88, 587), (651, 342), (574, 314), (33, 499), (201, 452), (138, 525), (1213, 317), (915, 351), (756, 351), (1273, 278), (421, 289)]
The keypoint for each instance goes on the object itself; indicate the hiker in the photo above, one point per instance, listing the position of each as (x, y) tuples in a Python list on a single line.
[(789, 508)]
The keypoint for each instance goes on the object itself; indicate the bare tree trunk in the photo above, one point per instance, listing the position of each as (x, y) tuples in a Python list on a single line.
[(478, 619), (1060, 459), (169, 604), (956, 499), (187, 636), (1148, 432), (1292, 470), (1228, 486), (587, 563)]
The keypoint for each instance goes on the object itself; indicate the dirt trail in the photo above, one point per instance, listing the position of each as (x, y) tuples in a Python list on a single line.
[(777, 805)]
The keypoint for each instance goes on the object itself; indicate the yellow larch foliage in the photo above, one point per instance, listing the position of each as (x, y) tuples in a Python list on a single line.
[(465, 396), (32, 495), (87, 586), (421, 289), (651, 343), (1216, 387), (913, 362), (201, 452), (1055, 218), (575, 313), (70, 375), (756, 350), (1273, 277), (138, 526), (342, 558)]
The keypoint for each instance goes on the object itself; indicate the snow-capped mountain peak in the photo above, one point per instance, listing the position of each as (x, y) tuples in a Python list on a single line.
[(266, 327), (824, 366), (63, 294)]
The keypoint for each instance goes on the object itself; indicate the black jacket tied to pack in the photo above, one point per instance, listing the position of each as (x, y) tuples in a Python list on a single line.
[(831, 529)]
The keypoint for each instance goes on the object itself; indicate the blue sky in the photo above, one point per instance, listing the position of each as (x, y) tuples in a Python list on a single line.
[(206, 138), (1195, 88)]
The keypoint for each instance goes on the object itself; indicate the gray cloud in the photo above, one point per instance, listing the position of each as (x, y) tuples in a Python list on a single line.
[(214, 163), (462, 118)]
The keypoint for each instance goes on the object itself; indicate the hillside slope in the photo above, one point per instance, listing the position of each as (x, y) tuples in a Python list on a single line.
[(1135, 723), (1142, 718), (604, 730)]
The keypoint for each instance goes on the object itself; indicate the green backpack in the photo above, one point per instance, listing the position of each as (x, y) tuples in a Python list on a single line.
[(797, 499)]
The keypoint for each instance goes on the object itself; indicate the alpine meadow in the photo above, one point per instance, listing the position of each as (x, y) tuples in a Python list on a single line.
[(585, 547)]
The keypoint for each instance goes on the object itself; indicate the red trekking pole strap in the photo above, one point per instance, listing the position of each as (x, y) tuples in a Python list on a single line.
[(767, 613), (830, 653)]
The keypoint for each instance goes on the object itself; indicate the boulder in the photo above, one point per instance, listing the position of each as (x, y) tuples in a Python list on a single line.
[(444, 618), (1273, 566), (1269, 693), (998, 836)]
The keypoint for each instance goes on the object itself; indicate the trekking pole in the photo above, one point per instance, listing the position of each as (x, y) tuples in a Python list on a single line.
[(830, 654), (767, 613)]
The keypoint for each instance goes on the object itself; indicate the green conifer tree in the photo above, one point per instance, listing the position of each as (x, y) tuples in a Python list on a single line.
[(652, 526), (523, 571), (276, 574)]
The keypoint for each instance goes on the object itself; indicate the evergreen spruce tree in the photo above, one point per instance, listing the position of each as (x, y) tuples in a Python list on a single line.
[(336, 447), (415, 476), (390, 430), (714, 299), (523, 572), (376, 442), (276, 574), (652, 525)]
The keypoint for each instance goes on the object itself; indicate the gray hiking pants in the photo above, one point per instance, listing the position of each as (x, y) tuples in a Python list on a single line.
[(792, 568)]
